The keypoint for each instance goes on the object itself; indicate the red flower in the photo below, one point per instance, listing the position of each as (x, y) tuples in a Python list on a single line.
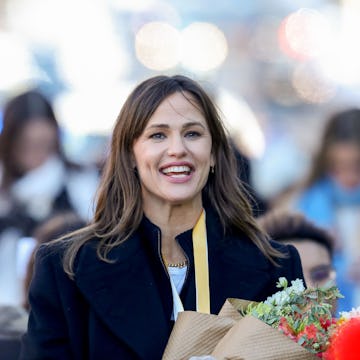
[(310, 332), (286, 328), (345, 344), (326, 323)]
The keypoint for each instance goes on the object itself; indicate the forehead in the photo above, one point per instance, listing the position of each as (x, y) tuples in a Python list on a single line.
[(38, 125), (312, 253), (344, 150), (176, 107)]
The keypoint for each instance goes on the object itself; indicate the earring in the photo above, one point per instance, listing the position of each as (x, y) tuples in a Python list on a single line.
[(212, 169)]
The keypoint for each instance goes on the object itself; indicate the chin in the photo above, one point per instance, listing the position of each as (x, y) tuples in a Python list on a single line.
[(182, 200)]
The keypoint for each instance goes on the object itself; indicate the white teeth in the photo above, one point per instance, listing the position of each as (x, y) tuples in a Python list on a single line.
[(178, 175), (176, 169)]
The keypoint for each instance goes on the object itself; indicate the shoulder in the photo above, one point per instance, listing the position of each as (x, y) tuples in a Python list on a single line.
[(49, 261), (88, 260), (320, 188), (237, 248)]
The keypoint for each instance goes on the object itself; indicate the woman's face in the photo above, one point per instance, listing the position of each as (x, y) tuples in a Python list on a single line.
[(34, 145), (344, 164), (173, 154)]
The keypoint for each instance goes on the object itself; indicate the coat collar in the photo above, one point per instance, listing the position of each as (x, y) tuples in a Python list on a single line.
[(122, 295), (117, 293)]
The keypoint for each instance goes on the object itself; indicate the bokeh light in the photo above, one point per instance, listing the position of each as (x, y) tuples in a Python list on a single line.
[(41, 22), (341, 62), (89, 55), (93, 111), (157, 45), (304, 34), (204, 47)]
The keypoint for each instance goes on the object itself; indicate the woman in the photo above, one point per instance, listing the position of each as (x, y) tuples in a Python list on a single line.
[(331, 197), (112, 289), (36, 177), (36, 181)]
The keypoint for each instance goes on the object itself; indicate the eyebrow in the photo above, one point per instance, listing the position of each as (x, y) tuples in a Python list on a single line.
[(166, 126)]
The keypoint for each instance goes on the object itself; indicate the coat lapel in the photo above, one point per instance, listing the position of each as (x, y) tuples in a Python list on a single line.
[(125, 296)]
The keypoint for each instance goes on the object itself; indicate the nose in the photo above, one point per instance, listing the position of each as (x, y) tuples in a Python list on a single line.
[(176, 146)]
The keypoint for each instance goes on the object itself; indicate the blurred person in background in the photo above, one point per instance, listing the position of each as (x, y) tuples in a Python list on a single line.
[(53, 228), (330, 196), (36, 180), (314, 244), (13, 319)]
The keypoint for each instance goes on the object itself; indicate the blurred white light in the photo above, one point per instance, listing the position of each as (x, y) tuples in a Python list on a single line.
[(92, 111), (86, 48), (133, 5), (157, 45), (39, 21), (341, 63), (16, 64), (311, 85), (91, 54), (242, 124), (305, 34), (204, 47)]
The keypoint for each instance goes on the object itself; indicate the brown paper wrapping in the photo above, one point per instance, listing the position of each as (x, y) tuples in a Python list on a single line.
[(252, 339), (196, 334), (230, 336)]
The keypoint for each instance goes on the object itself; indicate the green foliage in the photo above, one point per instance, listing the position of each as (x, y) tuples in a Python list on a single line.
[(302, 314)]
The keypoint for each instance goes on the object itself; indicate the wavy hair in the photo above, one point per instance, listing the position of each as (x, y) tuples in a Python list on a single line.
[(119, 208)]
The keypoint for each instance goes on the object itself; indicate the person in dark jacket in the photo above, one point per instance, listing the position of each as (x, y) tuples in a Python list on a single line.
[(172, 231)]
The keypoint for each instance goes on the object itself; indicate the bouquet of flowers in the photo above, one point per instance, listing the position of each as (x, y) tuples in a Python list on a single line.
[(303, 315), (294, 323)]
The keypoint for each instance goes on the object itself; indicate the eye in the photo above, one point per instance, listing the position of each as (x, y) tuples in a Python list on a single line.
[(192, 134), (157, 136)]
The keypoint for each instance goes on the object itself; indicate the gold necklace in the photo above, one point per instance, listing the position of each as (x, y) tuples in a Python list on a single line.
[(179, 265)]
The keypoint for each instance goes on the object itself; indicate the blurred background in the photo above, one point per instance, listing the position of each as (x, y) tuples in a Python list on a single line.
[(276, 67)]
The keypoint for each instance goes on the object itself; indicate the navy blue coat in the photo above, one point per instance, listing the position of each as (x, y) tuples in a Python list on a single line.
[(122, 310)]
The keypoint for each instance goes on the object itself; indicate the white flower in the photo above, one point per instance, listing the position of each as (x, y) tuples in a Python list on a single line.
[(350, 314), (278, 299), (284, 296), (297, 286)]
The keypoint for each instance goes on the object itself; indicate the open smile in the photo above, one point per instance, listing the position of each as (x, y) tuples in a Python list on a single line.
[(177, 171)]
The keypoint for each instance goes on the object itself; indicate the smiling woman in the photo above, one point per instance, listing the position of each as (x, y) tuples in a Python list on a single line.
[(172, 230)]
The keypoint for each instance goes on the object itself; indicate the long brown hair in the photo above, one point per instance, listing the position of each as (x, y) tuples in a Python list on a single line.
[(119, 207)]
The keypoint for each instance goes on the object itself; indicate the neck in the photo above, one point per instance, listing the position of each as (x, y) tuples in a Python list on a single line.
[(173, 220)]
